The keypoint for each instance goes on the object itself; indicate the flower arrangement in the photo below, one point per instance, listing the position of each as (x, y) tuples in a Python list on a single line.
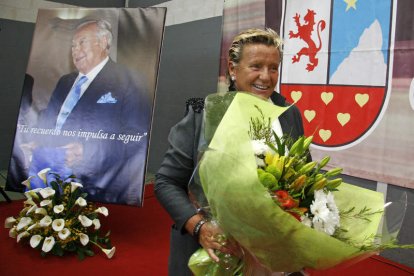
[(298, 185), (58, 219), (285, 211)]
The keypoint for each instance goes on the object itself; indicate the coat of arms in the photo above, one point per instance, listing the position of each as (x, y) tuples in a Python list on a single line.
[(336, 66)]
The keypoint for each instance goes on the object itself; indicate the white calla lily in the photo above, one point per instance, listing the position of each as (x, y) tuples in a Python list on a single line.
[(27, 182), (29, 202), (32, 193), (102, 210), (45, 221), (84, 239), (47, 192), (81, 202), (96, 223), (43, 174), (48, 244), (13, 232), (24, 221), (58, 208), (33, 226), (31, 209), (35, 240), (86, 222), (109, 252), (74, 186), (45, 202), (41, 211), (58, 224), (9, 222), (22, 235), (64, 233)]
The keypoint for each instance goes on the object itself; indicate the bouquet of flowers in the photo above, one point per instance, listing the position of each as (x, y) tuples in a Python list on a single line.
[(284, 211), (58, 219)]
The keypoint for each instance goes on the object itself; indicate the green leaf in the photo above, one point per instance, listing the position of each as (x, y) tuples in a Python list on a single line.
[(81, 254)]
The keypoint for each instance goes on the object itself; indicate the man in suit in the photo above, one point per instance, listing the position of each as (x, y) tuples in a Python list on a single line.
[(103, 133)]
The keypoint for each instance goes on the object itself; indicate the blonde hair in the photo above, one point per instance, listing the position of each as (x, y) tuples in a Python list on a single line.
[(253, 36)]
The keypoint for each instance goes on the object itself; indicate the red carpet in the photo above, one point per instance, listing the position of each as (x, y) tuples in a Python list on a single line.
[(141, 237)]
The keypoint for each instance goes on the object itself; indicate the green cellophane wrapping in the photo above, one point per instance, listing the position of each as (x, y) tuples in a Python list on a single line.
[(246, 211)]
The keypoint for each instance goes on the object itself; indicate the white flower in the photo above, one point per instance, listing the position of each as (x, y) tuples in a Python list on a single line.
[(109, 252), (58, 224), (326, 215), (9, 222), (27, 182), (24, 221), (48, 244), (31, 209), (320, 210), (64, 233), (45, 221), (58, 208), (35, 240), (318, 224), (81, 202), (74, 186), (33, 226), (86, 222), (45, 202), (102, 210), (22, 235), (29, 201), (47, 192), (43, 173), (41, 211), (306, 221), (260, 162), (330, 201), (259, 147), (13, 232), (84, 239), (96, 223), (331, 224), (32, 193)]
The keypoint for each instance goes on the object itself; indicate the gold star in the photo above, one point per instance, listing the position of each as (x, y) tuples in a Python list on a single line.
[(350, 4)]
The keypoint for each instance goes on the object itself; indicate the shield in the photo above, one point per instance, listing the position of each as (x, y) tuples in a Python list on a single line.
[(336, 66)]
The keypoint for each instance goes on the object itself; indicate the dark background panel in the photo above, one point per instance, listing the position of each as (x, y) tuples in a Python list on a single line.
[(189, 68), (94, 3), (15, 42), (144, 3)]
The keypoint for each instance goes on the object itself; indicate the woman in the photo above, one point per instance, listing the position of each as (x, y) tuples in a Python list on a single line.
[(253, 62)]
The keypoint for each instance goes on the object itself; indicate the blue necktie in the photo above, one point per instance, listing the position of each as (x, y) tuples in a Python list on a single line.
[(70, 102)]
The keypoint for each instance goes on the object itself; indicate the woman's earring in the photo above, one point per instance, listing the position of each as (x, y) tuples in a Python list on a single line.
[(233, 78)]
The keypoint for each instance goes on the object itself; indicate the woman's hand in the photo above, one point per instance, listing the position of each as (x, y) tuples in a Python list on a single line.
[(212, 238)]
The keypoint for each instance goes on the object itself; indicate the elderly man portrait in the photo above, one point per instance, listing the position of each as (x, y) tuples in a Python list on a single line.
[(102, 114)]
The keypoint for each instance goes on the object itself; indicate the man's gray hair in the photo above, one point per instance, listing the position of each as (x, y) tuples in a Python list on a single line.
[(104, 29)]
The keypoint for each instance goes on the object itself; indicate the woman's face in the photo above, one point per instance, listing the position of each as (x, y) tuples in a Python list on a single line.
[(258, 70)]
